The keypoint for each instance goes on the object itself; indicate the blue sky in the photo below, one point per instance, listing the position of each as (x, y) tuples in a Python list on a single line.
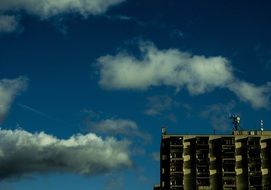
[(85, 86)]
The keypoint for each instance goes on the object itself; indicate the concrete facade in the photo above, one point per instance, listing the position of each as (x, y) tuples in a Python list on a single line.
[(241, 161)]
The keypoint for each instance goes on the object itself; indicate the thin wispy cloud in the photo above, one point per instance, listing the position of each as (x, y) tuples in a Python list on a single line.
[(40, 113), (49, 8), (158, 104), (176, 34), (114, 181), (161, 106), (8, 23), (119, 128), (120, 17), (34, 111), (9, 89), (156, 156), (115, 127), (218, 115), (11, 9)]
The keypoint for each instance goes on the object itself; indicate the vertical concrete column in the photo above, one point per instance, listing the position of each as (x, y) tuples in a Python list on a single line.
[(241, 167), (165, 163), (266, 162), (215, 162), (189, 167)]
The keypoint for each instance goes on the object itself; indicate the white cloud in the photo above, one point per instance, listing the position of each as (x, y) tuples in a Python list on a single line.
[(172, 67), (8, 23), (258, 96), (22, 153), (114, 127), (164, 67), (49, 8), (9, 89)]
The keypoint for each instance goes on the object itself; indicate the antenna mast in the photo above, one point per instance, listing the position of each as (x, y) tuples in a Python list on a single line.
[(235, 122), (262, 124)]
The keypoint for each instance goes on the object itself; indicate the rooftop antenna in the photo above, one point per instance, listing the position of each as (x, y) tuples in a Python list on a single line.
[(262, 124), (164, 131), (236, 119)]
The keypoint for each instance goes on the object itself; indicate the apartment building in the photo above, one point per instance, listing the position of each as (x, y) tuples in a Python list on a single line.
[(239, 161)]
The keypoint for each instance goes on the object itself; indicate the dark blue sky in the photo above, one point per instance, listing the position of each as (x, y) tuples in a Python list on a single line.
[(124, 69)]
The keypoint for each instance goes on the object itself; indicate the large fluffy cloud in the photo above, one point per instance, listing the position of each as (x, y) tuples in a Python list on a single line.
[(172, 67), (22, 153), (164, 67), (8, 23), (9, 89), (48, 8)]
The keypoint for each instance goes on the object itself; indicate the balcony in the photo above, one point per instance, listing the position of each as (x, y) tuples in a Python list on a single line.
[(202, 163), (177, 142), (229, 183), (255, 173), (228, 149), (176, 154), (228, 173), (176, 187), (203, 175), (228, 161), (199, 151), (203, 181), (176, 169), (177, 182)]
